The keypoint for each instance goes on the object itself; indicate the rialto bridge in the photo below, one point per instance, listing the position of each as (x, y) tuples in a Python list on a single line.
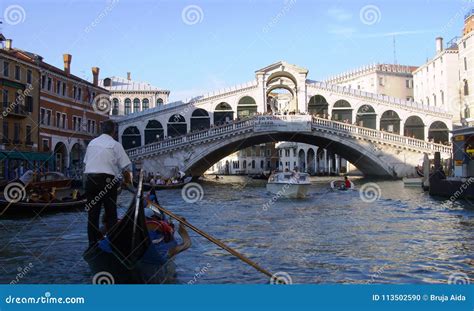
[(380, 135)]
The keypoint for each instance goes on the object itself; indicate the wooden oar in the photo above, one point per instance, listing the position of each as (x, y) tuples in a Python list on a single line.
[(156, 208)]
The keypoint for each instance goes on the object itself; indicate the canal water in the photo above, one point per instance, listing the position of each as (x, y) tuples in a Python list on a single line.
[(389, 235)]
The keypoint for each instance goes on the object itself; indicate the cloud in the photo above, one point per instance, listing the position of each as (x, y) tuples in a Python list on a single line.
[(395, 33), (341, 30), (339, 14)]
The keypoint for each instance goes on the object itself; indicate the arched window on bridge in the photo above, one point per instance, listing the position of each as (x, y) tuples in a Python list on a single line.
[(136, 105), (200, 120), (223, 113), (153, 132), (438, 132), (115, 106), (145, 104), (366, 117), (159, 102), (131, 137), (246, 107), (342, 111), (177, 126), (128, 106), (318, 106), (414, 127), (390, 122)]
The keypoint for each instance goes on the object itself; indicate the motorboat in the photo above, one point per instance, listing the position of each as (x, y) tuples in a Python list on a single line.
[(289, 184)]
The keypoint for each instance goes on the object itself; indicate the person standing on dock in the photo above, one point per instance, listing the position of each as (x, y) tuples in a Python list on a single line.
[(105, 161)]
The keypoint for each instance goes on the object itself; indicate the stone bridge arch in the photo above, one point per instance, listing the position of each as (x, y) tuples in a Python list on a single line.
[(360, 154)]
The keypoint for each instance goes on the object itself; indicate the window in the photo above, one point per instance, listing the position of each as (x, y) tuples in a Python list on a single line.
[(48, 116), (74, 92), (159, 102), (45, 144), (428, 101), (28, 135), (79, 94), (466, 88), (42, 115), (128, 104), (43, 81), (74, 123), (145, 103), (136, 105), (6, 69), (464, 43), (49, 84), (29, 103), (64, 89), (5, 98), (16, 133), (434, 99), (17, 72), (5, 131), (63, 121), (115, 108), (29, 76), (408, 83), (89, 125), (442, 97), (465, 63), (58, 87), (58, 119), (93, 126)]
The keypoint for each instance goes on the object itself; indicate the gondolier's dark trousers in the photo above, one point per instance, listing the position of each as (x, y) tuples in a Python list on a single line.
[(101, 189)]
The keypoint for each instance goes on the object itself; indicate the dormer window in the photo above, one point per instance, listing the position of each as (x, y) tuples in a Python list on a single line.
[(107, 82)]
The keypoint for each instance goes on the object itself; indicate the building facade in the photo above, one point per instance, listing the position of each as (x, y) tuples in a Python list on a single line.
[(385, 79), (67, 118), (128, 96), (20, 95), (446, 80)]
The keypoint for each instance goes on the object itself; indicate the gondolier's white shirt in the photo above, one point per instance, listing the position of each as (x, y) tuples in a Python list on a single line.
[(105, 155)]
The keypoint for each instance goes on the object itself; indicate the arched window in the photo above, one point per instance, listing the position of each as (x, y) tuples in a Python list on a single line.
[(115, 107), (145, 103), (159, 102), (128, 106), (136, 105), (466, 88), (442, 98), (434, 99)]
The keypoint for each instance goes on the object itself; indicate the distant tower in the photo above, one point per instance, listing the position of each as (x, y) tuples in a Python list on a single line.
[(469, 22)]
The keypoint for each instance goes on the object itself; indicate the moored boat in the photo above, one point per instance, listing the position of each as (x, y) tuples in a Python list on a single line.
[(412, 181), (149, 186), (51, 179), (289, 184), (7, 207)]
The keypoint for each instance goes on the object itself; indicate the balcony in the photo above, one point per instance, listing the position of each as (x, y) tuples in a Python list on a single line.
[(13, 109)]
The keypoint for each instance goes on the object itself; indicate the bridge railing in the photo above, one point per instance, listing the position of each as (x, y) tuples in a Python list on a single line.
[(343, 128), (381, 135)]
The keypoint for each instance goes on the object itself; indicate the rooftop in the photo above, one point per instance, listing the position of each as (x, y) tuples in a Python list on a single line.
[(124, 84)]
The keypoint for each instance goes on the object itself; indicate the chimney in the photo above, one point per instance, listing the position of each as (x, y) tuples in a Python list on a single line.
[(439, 45), (129, 76), (8, 44), (67, 63), (95, 75)]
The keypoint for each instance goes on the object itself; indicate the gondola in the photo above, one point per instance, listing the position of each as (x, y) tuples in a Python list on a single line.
[(148, 186), (127, 255), (35, 208)]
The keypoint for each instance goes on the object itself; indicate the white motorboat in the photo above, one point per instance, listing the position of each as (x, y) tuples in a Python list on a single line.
[(412, 181), (289, 184)]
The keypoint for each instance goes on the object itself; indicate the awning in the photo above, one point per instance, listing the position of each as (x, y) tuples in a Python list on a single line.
[(29, 156)]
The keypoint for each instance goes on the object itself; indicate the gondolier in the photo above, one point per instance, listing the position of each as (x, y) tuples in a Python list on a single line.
[(105, 161)]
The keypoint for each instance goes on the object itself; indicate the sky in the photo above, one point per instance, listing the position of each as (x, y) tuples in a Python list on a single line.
[(193, 47)]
